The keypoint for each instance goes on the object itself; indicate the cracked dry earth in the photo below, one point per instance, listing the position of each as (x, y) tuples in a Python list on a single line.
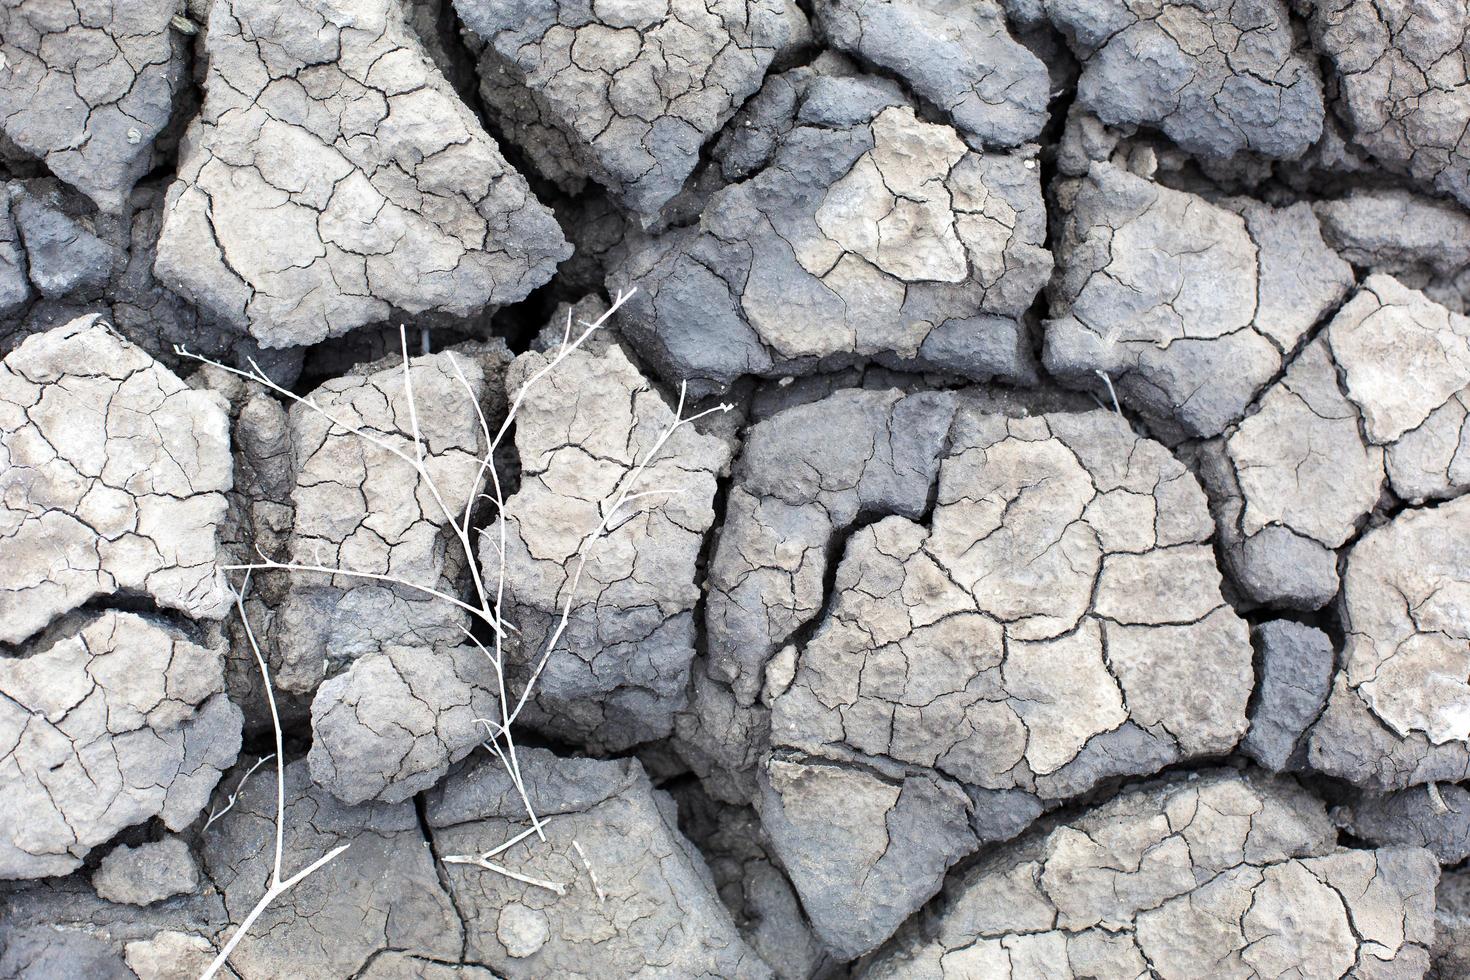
[(1077, 584)]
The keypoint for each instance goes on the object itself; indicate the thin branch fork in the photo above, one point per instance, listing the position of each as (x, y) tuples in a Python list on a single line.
[(483, 861), (239, 788)]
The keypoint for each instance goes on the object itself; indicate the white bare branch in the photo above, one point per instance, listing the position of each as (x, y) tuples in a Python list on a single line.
[(486, 604), (591, 875), (277, 886), (239, 787)]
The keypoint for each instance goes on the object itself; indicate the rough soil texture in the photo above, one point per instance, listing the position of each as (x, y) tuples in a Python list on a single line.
[(1065, 574)]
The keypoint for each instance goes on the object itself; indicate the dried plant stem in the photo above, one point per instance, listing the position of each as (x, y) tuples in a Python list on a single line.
[(239, 788), (278, 885), (488, 601)]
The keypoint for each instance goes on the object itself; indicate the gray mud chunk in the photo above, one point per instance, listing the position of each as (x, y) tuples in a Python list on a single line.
[(381, 894), (1422, 241), (1293, 482), (265, 473), (1296, 480), (863, 452), (135, 304), (333, 174), (147, 873), (957, 56), (1399, 713), (1403, 70), (1187, 307), (1242, 873), (61, 930), (112, 478), (361, 506), (171, 955), (1434, 817), (859, 452), (721, 737), (591, 439), (62, 256), (1389, 333), (869, 234), (110, 725), (15, 284), (1003, 646), (1408, 643), (390, 725), (625, 93), (1295, 677), (1350, 742), (1217, 76), (753, 885), (638, 899), (1280, 568), (863, 852), (87, 89), (73, 952), (1452, 937), (1433, 461)]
